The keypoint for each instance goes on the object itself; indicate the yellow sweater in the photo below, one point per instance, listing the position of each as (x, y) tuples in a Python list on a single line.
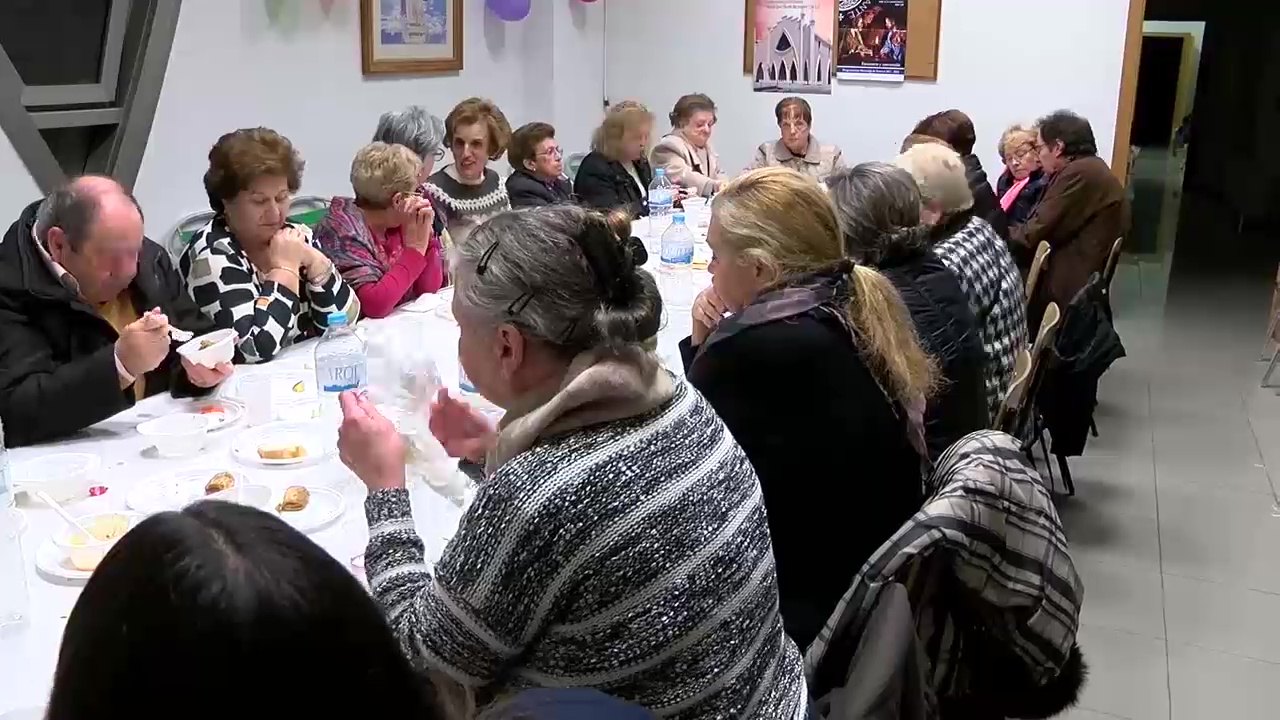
[(119, 311)]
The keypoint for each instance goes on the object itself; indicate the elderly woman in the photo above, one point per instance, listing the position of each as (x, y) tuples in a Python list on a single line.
[(249, 268), (879, 210), (797, 148), (467, 191), (537, 168), (1023, 181), (386, 240), (980, 259), (840, 470), (686, 154), (416, 129), (615, 175), (955, 127), (619, 540)]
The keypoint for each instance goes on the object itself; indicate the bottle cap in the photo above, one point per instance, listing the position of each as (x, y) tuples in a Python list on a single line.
[(659, 172), (678, 218), (337, 318)]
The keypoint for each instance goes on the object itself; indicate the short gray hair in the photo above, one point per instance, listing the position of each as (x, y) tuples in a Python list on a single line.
[(72, 208), (939, 172), (528, 268), (879, 209), (413, 127)]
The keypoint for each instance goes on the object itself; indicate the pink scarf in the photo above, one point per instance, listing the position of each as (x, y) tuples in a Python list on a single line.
[(1012, 193)]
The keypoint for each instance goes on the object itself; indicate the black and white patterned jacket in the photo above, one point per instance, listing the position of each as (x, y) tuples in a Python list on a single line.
[(630, 556), (267, 315), (984, 266)]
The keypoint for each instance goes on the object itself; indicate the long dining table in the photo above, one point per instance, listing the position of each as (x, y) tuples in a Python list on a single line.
[(28, 654)]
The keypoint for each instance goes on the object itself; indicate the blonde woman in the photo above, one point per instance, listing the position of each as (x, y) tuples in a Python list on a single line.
[(615, 175), (386, 241), (1022, 183), (817, 372)]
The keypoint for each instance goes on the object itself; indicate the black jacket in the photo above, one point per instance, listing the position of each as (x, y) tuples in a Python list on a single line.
[(527, 190), (985, 204), (57, 354), (838, 472), (948, 331), (605, 184)]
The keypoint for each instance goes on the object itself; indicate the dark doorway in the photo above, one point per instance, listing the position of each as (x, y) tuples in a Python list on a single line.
[(1157, 94)]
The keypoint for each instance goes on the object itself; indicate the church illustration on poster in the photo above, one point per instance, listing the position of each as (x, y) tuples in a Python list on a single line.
[(793, 50)]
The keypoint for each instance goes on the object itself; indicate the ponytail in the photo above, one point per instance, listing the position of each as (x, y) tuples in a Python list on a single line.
[(887, 338)]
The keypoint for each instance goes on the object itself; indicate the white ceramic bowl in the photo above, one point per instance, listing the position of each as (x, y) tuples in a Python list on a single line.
[(65, 476), (85, 553), (176, 435), (210, 349)]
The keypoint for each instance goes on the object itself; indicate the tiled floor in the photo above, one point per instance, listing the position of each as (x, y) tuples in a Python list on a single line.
[(1174, 527)]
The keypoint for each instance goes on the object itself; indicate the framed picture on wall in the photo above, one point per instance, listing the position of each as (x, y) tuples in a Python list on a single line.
[(410, 36)]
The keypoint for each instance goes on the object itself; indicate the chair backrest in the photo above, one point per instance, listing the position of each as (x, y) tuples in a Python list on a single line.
[(1048, 332), (177, 239), (1020, 415), (1014, 399), (1113, 262), (1037, 269), (572, 163), (308, 210)]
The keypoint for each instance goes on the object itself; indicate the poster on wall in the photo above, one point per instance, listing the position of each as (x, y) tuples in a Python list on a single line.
[(410, 36), (872, 40), (792, 52)]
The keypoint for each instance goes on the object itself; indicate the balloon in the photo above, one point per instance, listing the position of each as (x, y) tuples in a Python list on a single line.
[(510, 10)]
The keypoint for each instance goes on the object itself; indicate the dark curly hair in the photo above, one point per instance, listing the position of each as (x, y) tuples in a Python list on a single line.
[(240, 157), (952, 126)]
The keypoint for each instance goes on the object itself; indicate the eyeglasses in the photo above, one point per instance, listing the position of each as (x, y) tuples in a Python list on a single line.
[(551, 152)]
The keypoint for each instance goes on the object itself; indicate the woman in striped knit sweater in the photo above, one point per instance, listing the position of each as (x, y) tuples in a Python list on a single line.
[(619, 540)]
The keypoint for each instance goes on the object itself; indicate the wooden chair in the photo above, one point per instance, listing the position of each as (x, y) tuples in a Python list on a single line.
[(1029, 412), (1037, 270), (1109, 274), (1011, 406)]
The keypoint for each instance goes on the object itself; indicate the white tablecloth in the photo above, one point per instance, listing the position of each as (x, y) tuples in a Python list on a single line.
[(29, 655)]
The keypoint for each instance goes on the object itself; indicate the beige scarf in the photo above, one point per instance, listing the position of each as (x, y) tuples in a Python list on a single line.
[(600, 386)]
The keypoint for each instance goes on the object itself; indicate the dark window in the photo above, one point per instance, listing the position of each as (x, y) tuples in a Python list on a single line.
[(784, 43), (55, 42)]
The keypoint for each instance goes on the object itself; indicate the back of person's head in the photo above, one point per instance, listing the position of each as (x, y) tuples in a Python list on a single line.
[(939, 173), (223, 611), (380, 171), (953, 127), (879, 209), (623, 117), (1074, 132), (413, 127), (567, 277), (785, 222)]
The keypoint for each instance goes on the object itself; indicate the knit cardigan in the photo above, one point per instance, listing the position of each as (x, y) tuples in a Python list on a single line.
[(631, 556)]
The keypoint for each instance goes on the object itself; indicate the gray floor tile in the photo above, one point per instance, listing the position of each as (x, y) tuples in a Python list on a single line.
[(1120, 597), (1099, 533), (1222, 617), (1128, 674), (1082, 714), (1221, 535), (1208, 684)]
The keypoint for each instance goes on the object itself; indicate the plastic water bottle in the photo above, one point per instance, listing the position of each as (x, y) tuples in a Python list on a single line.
[(6, 482), (341, 364), (676, 268), (662, 198)]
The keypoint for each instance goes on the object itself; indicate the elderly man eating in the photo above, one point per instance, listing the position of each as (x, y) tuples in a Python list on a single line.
[(85, 308)]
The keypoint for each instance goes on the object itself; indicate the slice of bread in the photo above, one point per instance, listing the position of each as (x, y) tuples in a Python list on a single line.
[(281, 451)]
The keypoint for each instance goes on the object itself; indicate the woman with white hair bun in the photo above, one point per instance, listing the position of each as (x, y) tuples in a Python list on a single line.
[(978, 256), (618, 540)]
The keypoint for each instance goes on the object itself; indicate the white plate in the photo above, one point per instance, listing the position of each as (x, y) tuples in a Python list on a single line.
[(52, 562), (424, 304), (286, 387), (319, 439), (232, 411), (169, 491), (325, 507)]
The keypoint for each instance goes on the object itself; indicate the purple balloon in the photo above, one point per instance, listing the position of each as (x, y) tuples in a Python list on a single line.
[(510, 10)]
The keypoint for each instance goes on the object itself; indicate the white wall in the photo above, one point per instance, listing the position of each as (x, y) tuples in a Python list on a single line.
[(17, 187), (1196, 31), (1001, 61), (230, 68)]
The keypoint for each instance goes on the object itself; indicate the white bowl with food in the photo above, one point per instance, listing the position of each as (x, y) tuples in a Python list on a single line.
[(176, 435), (210, 349), (105, 528), (65, 476)]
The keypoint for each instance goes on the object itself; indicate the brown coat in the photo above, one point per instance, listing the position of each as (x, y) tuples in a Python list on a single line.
[(1082, 212)]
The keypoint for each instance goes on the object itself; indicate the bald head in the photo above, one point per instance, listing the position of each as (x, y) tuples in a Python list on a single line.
[(93, 227)]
